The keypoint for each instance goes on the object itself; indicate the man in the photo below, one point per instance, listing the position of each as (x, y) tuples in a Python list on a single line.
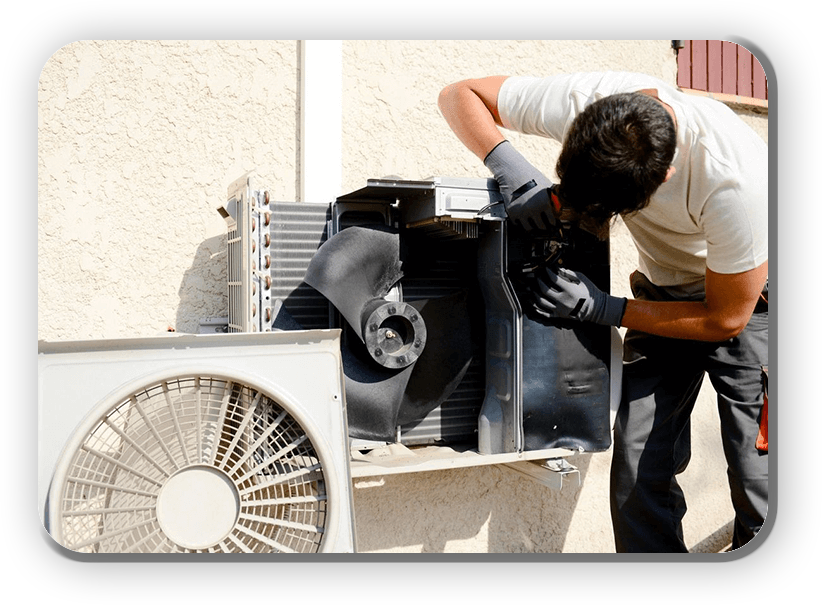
[(689, 179)]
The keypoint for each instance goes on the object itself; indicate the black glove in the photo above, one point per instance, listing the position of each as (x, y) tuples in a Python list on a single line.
[(526, 192), (571, 295)]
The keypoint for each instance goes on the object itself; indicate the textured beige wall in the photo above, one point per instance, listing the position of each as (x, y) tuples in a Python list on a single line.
[(137, 143)]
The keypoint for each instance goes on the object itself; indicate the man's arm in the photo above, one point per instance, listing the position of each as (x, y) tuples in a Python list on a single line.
[(470, 108), (729, 302)]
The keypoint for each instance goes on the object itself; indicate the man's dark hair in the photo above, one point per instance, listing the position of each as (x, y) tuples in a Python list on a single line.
[(615, 156)]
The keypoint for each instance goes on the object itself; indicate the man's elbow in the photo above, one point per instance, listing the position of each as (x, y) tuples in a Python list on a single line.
[(449, 96), (444, 96), (724, 327)]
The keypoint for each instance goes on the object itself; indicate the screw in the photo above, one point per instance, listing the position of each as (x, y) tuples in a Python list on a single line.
[(392, 310), (390, 334), (377, 352)]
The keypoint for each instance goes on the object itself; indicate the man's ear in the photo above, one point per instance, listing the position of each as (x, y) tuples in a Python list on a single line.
[(669, 174)]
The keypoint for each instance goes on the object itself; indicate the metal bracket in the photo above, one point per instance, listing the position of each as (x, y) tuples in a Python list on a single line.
[(549, 472)]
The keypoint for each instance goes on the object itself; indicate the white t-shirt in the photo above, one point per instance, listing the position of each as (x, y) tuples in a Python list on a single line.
[(713, 212)]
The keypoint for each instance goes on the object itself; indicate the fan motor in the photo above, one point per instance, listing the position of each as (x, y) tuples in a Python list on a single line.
[(394, 333)]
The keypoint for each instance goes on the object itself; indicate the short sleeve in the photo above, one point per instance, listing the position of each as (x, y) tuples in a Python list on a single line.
[(735, 223)]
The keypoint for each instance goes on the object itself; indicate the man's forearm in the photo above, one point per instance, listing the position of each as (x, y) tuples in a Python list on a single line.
[(730, 300), (686, 320)]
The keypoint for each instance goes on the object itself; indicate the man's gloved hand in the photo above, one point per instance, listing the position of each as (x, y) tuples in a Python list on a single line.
[(571, 295), (526, 192)]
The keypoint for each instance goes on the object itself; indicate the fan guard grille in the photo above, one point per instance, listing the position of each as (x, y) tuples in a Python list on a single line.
[(114, 482)]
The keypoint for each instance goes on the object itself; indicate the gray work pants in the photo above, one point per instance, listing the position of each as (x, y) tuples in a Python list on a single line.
[(661, 380)]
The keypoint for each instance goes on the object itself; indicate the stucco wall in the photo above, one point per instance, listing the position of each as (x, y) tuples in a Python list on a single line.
[(137, 143)]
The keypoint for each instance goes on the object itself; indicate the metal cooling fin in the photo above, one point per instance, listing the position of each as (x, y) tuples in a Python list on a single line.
[(446, 358)]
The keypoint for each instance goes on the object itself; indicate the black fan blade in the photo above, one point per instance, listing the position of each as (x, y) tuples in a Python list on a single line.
[(373, 393), (354, 267), (354, 270), (379, 399), (417, 367)]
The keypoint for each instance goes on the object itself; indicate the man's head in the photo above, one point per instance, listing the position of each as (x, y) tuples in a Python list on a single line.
[(617, 153)]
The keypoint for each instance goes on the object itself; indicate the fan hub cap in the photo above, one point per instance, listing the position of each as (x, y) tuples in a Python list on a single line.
[(198, 507)]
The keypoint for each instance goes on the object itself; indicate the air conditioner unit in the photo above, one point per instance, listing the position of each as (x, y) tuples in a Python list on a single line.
[(480, 369), (385, 332), (207, 443)]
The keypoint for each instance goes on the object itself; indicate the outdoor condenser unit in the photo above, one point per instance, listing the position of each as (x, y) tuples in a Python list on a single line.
[(387, 332), (195, 444), (432, 264)]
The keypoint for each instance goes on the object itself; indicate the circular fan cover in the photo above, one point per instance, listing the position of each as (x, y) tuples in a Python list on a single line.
[(194, 464)]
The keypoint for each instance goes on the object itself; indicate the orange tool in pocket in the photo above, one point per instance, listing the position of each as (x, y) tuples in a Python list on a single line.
[(762, 438)]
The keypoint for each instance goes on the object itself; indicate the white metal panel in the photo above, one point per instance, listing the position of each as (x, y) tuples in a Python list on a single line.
[(320, 120), (302, 370)]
